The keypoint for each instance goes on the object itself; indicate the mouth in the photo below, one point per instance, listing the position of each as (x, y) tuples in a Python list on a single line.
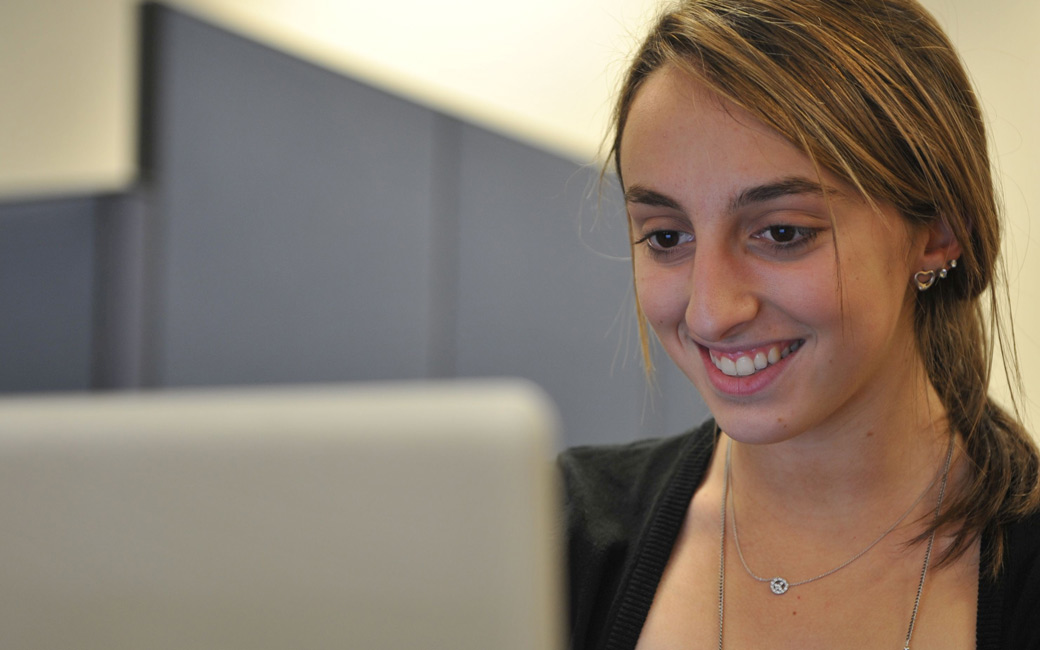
[(747, 363)]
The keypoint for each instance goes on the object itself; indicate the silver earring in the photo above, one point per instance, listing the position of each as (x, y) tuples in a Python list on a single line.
[(925, 279), (945, 271)]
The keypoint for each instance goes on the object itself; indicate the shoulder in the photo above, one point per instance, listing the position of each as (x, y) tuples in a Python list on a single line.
[(1024, 540), (1023, 565), (616, 496), (1015, 598), (616, 477)]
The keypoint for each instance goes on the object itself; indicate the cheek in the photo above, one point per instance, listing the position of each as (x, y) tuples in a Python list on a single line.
[(869, 314), (662, 296), (877, 287), (876, 268), (806, 293)]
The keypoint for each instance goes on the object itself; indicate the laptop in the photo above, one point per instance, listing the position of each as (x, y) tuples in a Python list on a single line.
[(384, 516)]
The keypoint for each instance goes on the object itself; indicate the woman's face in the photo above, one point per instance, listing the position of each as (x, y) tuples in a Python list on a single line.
[(737, 269)]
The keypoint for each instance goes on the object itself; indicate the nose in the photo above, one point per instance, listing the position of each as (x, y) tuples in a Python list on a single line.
[(722, 298)]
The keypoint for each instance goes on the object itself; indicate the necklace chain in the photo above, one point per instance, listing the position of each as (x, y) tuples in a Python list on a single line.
[(722, 554), (779, 585), (924, 567), (928, 550)]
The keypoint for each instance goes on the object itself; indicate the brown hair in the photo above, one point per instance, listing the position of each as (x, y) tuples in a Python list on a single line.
[(874, 92)]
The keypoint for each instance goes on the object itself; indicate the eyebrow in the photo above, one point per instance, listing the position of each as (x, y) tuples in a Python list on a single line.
[(757, 194), (784, 187), (646, 196)]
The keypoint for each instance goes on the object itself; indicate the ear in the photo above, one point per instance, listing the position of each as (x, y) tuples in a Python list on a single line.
[(940, 247)]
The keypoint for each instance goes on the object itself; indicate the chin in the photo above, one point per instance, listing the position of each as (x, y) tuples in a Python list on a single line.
[(754, 428)]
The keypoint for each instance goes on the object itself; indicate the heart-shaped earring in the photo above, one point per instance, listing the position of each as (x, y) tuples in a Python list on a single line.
[(925, 279)]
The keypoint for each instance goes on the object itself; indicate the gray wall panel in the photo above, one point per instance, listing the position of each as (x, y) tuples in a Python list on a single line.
[(312, 228), (120, 290), (292, 210), (544, 290), (46, 294)]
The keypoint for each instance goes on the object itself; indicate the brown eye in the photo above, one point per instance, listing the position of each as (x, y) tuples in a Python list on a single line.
[(783, 238), (783, 234), (664, 239), (665, 242)]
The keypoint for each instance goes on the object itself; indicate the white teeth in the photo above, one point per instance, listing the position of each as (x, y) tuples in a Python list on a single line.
[(760, 361), (745, 366), (774, 355)]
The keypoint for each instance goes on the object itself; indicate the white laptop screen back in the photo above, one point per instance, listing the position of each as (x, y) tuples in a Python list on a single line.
[(386, 516)]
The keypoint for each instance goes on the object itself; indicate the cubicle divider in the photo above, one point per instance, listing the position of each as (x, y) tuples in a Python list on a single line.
[(295, 225)]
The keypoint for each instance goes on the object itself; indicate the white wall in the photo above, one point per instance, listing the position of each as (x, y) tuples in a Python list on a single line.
[(998, 41), (542, 70)]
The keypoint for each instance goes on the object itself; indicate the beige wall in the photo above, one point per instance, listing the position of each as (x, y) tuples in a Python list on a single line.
[(998, 40), (66, 83), (544, 73)]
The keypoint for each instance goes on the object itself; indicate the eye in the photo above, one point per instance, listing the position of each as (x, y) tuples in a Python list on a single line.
[(782, 234), (787, 237), (662, 240)]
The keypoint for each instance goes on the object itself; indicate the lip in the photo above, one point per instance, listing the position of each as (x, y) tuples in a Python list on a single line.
[(738, 386)]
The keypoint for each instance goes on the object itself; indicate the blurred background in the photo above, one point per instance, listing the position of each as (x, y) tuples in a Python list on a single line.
[(214, 192)]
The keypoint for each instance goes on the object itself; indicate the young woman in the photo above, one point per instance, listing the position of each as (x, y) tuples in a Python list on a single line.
[(814, 224)]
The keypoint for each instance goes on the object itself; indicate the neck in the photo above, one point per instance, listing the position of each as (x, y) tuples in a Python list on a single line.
[(872, 463)]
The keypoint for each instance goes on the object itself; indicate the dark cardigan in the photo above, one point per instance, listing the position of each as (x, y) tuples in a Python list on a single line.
[(625, 505)]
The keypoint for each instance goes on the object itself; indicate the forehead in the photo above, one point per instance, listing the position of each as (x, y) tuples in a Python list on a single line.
[(678, 130), (688, 147)]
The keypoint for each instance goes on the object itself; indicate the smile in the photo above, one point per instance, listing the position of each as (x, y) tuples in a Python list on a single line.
[(747, 364)]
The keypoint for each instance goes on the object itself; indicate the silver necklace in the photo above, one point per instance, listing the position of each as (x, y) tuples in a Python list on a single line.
[(779, 585), (924, 566)]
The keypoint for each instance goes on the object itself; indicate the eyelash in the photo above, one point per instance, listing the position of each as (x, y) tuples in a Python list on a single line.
[(658, 249), (805, 237)]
